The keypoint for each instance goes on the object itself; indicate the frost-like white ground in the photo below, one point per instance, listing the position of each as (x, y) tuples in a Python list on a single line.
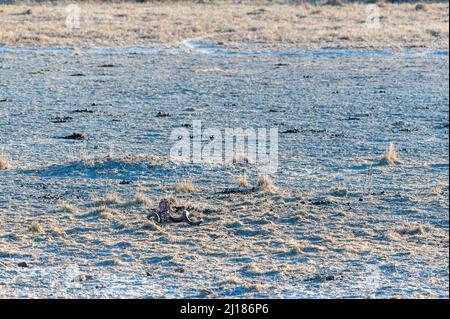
[(341, 226)]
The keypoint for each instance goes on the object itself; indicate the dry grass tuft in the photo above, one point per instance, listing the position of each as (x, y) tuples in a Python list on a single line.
[(234, 281), (69, 208), (143, 200), (299, 214), (257, 287), (390, 157), (37, 229), (252, 268), (77, 52), (150, 225), (111, 199), (295, 247), (105, 212), (412, 230), (266, 185), (57, 232), (184, 187), (244, 182), (4, 163)]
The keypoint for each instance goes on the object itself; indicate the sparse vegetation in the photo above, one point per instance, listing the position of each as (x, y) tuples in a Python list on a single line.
[(57, 232), (141, 199), (244, 182), (266, 185), (111, 199), (330, 215), (390, 157), (295, 247), (4, 163), (36, 228), (150, 225), (411, 230), (45, 24), (105, 212), (184, 187), (69, 208)]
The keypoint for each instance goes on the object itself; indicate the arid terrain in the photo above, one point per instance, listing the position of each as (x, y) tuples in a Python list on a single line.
[(359, 204), (305, 26)]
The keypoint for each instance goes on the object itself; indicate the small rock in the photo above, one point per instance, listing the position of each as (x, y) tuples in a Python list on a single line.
[(257, 11), (76, 137), (162, 114), (82, 111), (291, 131), (180, 270), (125, 182), (82, 278), (63, 119), (421, 7), (23, 264)]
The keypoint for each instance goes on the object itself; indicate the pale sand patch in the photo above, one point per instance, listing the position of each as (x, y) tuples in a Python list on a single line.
[(266, 26)]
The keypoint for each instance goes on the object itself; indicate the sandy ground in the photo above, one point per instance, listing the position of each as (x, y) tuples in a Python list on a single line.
[(166, 24), (342, 223)]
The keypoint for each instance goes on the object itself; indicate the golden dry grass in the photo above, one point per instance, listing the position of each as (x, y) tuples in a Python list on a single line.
[(58, 232), (4, 163), (244, 182), (391, 157), (69, 208), (36, 228), (105, 212), (111, 199), (184, 187), (266, 185), (143, 200), (275, 25)]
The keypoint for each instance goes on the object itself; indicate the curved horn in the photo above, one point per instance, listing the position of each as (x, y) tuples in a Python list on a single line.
[(190, 221)]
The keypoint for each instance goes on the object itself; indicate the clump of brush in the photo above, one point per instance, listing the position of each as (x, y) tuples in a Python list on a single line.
[(36, 228), (244, 182), (142, 200), (390, 156), (69, 208), (184, 187), (111, 199), (4, 163), (265, 184)]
